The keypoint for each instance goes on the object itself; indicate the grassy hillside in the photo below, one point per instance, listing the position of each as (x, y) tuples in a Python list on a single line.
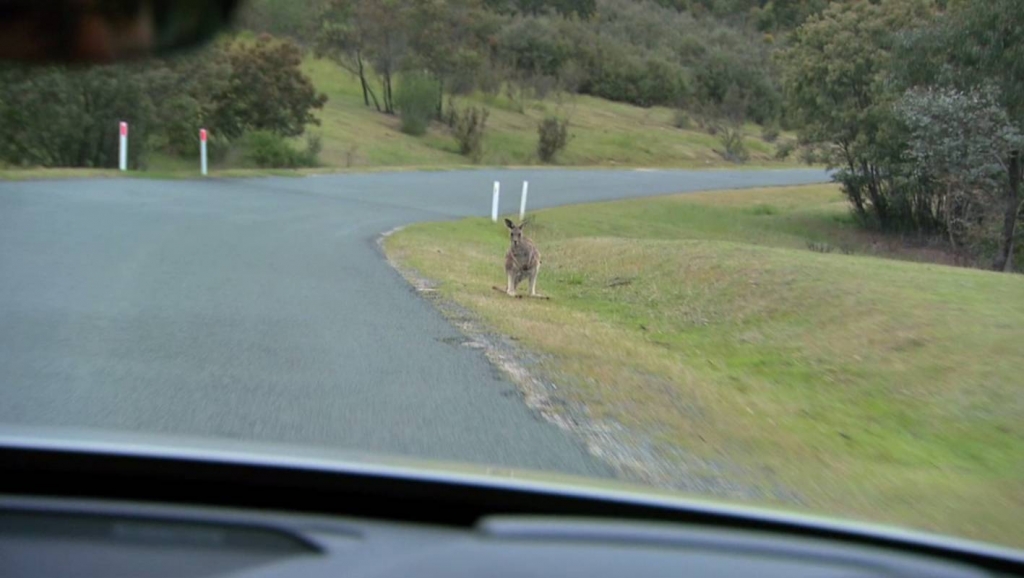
[(604, 133), (870, 387), (356, 137)]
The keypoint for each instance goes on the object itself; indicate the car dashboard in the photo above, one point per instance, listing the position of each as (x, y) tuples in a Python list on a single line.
[(121, 511)]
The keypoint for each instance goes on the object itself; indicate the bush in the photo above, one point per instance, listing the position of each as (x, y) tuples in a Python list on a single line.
[(450, 115), (622, 76), (770, 133), (314, 144), (784, 150), (469, 131), (962, 141), (182, 114), (735, 150), (534, 44), (416, 98), (553, 135), (809, 156), (680, 119), (52, 116), (736, 85), (266, 149), (266, 90)]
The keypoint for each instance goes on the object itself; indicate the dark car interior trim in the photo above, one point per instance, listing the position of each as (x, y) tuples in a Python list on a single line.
[(116, 476)]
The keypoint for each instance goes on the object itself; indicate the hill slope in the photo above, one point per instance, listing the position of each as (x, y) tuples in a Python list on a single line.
[(855, 382), (602, 132)]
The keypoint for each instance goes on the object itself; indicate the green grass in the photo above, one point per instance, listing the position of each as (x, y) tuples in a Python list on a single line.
[(357, 137), (874, 388), (151, 173), (604, 133)]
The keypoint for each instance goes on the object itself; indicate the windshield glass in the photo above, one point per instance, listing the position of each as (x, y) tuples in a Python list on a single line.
[(760, 252)]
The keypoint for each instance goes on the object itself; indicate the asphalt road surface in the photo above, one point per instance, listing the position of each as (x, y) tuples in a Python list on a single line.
[(261, 309)]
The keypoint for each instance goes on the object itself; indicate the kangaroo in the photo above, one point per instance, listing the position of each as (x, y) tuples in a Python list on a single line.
[(522, 260)]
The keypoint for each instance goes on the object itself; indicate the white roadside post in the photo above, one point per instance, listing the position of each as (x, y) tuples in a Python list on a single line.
[(122, 151), (522, 201), (494, 201), (202, 151)]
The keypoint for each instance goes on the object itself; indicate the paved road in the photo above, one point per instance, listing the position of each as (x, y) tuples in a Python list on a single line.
[(261, 309)]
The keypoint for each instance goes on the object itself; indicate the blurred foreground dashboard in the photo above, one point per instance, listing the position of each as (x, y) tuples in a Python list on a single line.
[(118, 511)]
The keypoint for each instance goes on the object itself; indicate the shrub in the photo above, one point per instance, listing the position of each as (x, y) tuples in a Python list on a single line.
[(623, 76), (784, 150), (770, 133), (809, 156), (351, 155), (533, 44), (270, 150), (735, 150), (963, 141), (735, 85), (416, 99), (53, 116), (266, 90), (553, 135), (764, 210), (182, 114), (314, 144), (450, 115), (469, 131), (680, 119)]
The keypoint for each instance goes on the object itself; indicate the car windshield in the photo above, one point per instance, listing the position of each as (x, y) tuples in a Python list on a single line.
[(759, 252)]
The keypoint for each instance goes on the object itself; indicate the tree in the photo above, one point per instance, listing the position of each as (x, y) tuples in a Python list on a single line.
[(960, 142), (291, 18), (448, 39), (56, 116), (974, 44), (415, 99), (356, 33), (552, 136), (186, 88), (266, 90), (580, 8), (787, 14), (835, 76), (340, 39)]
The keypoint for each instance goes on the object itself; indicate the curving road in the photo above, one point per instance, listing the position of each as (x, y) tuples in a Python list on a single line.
[(261, 309)]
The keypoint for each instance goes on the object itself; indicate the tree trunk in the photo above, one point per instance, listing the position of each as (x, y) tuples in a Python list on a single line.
[(389, 100), (1004, 259), (373, 95), (362, 81), (878, 203), (440, 98)]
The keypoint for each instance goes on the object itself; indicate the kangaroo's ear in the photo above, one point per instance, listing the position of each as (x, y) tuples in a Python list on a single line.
[(508, 223), (525, 222)]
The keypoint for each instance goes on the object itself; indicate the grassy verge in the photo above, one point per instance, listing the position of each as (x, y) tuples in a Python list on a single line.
[(160, 172), (74, 173), (873, 388)]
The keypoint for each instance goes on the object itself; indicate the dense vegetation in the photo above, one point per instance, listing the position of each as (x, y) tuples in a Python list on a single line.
[(917, 103), (645, 53), (59, 117), (920, 107)]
